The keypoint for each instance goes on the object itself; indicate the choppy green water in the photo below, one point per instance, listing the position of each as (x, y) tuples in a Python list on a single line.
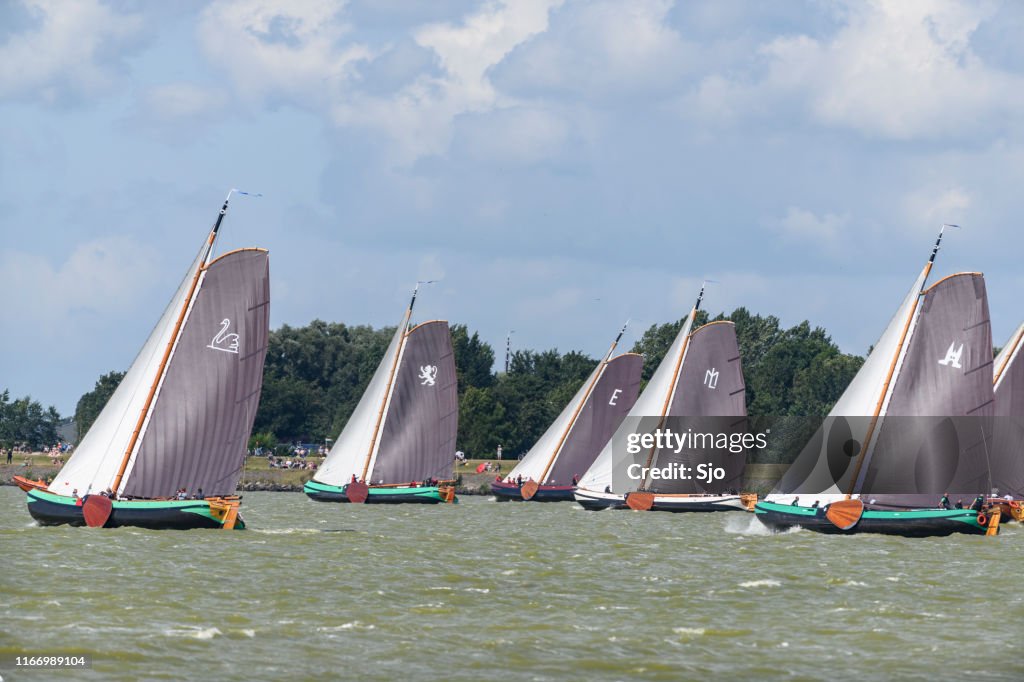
[(504, 591)]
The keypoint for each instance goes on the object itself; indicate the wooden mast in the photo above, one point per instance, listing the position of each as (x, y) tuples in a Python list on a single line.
[(579, 408), (170, 345), (675, 380), (391, 379), (1013, 345), (892, 366)]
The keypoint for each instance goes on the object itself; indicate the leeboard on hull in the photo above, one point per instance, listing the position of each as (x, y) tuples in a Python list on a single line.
[(504, 492), (908, 523), (50, 509), (427, 494), (696, 503)]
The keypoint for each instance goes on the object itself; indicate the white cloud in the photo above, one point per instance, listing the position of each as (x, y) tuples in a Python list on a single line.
[(802, 225), (177, 101), (294, 51), (898, 70), (482, 40), (928, 207), (601, 49), (304, 53), (101, 279), (527, 134), (74, 49), (419, 118)]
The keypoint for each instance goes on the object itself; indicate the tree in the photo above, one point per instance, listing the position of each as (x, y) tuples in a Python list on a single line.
[(483, 423), (315, 376), (26, 422), (264, 441), (795, 371), (92, 403), (474, 359)]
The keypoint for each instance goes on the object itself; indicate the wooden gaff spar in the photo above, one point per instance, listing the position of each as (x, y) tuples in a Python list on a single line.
[(168, 448)]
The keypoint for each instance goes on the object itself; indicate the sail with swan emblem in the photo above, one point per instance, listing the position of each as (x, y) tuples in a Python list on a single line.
[(167, 449)]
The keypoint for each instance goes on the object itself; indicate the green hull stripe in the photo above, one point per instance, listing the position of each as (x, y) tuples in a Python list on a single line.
[(198, 507), (968, 516), (421, 491)]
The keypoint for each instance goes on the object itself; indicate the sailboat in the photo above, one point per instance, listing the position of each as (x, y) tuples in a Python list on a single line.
[(700, 376), (547, 473), (169, 446), (1008, 441), (911, 432), (401, 437)]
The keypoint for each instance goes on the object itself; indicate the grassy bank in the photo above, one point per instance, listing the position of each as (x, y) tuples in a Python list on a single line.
[(258, 475)]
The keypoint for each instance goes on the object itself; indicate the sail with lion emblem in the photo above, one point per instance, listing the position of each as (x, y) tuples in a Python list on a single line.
[(399, 443)]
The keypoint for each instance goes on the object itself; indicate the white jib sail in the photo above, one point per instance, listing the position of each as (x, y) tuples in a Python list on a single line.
[(651, 403), (861, 397), (348, 454), (94, 463), (1007, 355), (534, 462)]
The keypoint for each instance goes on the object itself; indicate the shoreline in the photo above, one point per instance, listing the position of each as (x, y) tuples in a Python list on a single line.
[(761, 478)]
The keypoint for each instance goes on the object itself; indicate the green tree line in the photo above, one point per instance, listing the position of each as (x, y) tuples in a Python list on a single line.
[(315, 375), (25, 422)]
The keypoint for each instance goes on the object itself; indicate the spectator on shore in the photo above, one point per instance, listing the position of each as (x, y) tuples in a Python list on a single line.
[(10, 455)]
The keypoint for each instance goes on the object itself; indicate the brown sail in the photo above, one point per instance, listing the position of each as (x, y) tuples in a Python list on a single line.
[(711, 394), (196, 434), (936, 434), (609, 402), (1008, 442), (417, 440)]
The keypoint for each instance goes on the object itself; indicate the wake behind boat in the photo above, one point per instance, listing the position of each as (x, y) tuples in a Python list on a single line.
[(168, 448), (400, 438), (549, 471), (927, 392)]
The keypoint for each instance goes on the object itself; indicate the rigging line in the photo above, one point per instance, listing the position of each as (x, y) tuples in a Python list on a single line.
[(862, 456), (233, 190), (172, 341), (391, 378), (675, 379), (602, 365), (988, 458)]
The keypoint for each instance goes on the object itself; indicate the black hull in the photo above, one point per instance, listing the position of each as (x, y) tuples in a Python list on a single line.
[(904, 527), (325, 496), (155, 518), (510, 492), (599, 503)]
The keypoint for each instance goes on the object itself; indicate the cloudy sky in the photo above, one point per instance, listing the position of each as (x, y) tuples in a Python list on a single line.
[(560, 165)]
